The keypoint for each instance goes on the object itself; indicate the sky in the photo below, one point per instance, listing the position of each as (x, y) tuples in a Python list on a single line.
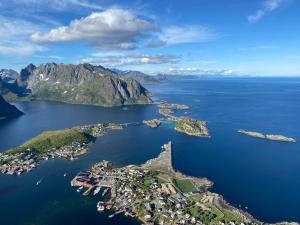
[(212, 37)]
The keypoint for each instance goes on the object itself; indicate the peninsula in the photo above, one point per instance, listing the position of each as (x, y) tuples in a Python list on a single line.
[(67, 143), (156, 194), (267, 136)]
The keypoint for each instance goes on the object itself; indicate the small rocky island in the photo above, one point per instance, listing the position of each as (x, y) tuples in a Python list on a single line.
[(68, 143), (152, 123), (272, 137), (156, 194), (190, 126), (166, 109)]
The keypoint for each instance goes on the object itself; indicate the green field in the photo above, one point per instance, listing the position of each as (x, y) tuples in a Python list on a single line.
[(184, 185), (53, 140)]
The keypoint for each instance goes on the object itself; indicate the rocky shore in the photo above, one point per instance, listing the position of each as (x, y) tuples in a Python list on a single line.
[(267, 136)]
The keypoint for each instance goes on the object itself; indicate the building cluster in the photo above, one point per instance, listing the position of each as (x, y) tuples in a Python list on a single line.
[(25, 161), (141, 193)]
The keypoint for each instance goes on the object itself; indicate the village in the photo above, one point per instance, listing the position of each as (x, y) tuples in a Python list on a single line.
[(67, 144), (154, 196)]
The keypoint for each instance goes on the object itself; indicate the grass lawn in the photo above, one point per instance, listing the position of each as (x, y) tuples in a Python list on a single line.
[(184, 185)]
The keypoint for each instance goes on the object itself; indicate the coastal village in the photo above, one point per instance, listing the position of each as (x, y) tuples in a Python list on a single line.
[(27, 157), (155, 194)]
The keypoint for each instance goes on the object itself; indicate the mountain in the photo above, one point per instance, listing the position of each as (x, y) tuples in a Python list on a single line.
[(81, 84), (8, 75), (170, 77), (7, 110), (137, 75)]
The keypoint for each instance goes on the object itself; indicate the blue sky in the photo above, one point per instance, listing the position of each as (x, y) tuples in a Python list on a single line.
[(228, 37)]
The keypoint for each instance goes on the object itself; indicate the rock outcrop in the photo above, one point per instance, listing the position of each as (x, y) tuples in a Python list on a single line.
[(7, 110)]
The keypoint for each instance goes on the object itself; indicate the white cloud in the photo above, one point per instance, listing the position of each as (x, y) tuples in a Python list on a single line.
[(267, 7), (259, 47), (185, 34), (137, 59), (197, 71), (20, 49), (57, 4), (111, 29), (15, 41)]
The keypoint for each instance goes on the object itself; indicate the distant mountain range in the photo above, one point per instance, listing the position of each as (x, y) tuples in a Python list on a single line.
[(79, 84), (137, 75), (7, 110)]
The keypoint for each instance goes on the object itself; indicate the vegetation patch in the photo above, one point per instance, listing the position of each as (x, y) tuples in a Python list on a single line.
[(185, 185), (52, 140)]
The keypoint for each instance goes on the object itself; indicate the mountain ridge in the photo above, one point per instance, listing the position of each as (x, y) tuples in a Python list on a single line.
[(80, 84)]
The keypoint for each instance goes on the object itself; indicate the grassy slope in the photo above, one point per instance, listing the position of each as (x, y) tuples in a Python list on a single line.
[(53, 139)]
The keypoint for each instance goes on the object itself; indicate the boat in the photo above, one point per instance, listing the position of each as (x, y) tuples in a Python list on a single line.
[(79, 189), (65, 174), (39, 181), (111, 216), (100, 206), (104, 192), (96, 191)]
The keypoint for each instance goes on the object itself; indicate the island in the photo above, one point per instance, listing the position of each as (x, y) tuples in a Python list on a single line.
[(156, 194), (67, 143), (166, 109), (152, 123), (190, 126), (272, 137)]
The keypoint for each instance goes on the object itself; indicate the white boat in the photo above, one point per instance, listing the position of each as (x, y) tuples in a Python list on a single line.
[(65, 174), (39, 181), (96, 191), (79, 189), (105, 191), (100, 206), (111, 216)]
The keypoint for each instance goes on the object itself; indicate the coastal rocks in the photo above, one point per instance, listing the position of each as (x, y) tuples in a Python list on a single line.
[(272, 137), (152, 123), (191, 126)]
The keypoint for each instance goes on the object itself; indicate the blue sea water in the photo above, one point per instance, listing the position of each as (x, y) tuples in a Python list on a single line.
[(258, 174)]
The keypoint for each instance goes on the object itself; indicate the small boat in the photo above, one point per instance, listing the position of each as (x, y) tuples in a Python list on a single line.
[(79, 189), (111, 216), (100, 206), (96, 191), (104, 192), (39, 181), (65, 174)]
